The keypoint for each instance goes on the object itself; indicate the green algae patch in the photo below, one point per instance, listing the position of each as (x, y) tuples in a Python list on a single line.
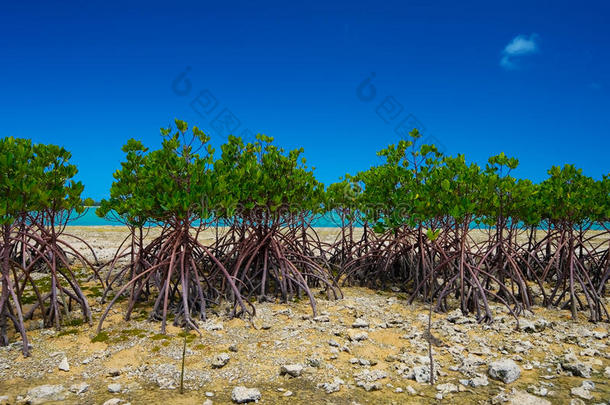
[(100, 337)]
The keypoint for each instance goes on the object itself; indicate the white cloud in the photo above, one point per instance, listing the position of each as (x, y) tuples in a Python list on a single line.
[(520, 46)]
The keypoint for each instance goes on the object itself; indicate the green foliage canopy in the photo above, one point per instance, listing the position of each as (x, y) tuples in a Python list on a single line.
[(37, 178), (173, 184), (260, 180)]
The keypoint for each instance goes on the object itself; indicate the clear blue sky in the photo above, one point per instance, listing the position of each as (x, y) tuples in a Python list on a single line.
[(531, 79)]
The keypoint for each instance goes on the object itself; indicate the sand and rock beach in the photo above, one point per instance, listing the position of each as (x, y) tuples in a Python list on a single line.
[(370, 347)]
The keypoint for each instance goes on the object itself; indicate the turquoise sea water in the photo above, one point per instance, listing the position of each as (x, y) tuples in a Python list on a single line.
[(90, 219), (329, 220)]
